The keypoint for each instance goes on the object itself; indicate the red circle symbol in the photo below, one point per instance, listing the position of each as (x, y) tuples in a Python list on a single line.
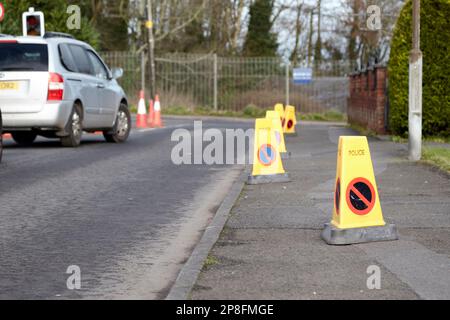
[(360, 196), (290, 124), (2, 12)]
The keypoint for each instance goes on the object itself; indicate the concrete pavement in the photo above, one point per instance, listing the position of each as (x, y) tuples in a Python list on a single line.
[(271, 246)]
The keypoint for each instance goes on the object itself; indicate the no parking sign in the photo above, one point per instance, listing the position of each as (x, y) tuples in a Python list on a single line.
[(267, 155)]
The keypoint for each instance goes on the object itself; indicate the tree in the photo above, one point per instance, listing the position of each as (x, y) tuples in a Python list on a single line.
[(110, 18), (318, 47), (55, 19), (436, 63), (367, 46), (260, 40), (298, 30)]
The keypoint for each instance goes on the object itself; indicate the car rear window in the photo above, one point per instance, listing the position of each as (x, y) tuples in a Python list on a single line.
[(23, 57)]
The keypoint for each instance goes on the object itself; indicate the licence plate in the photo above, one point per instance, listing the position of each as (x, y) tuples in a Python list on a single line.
[(4, 85)]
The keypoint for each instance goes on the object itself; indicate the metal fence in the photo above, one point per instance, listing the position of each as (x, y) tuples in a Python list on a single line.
[(191, 81)]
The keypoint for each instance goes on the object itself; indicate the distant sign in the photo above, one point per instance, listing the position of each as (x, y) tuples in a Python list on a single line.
[(2, 11), (303, 75)]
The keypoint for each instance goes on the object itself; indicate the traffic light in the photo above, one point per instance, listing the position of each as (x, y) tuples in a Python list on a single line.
[(33, 23)]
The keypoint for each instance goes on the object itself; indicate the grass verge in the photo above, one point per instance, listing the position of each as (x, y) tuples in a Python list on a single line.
[(437, 156), (252, 112)]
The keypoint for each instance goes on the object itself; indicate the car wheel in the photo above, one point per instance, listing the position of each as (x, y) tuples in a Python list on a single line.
[(122, 126), (24, 138), (74, 128)]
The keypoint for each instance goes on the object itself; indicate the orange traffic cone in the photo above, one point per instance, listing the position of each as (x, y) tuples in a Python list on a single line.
[(151, 114), (157, 121), (141, 119)]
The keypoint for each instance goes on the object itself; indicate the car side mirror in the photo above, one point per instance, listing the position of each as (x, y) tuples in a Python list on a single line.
[(117, 73)]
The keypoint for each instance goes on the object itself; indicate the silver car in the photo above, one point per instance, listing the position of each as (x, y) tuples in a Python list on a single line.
[(58, 87)]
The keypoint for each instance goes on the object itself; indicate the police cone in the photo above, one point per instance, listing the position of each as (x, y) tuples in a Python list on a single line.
[(279, 107), (141, 118), (290, 121), (278, 131), (267, 163), (357, 215)]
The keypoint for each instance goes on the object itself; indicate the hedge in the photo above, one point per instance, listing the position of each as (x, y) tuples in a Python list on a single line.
[(435, 40)]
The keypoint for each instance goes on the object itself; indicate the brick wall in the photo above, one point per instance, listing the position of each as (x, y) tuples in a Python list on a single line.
[(367, 103)]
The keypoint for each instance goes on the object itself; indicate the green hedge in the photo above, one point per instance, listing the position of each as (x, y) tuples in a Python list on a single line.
[(435, 40)]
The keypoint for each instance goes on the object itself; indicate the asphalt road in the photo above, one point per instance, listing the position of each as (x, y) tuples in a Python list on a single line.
[(125, 214)]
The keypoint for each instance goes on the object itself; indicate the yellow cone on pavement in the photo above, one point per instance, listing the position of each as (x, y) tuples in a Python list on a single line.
[(280, 108), (290, 120), (267, 163), (357, 215), (278, 129)]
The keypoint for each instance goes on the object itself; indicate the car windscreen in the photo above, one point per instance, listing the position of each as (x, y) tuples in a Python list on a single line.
[(23, 57)]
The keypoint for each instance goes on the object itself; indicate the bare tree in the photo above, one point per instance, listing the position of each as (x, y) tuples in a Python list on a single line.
[(298, 31)]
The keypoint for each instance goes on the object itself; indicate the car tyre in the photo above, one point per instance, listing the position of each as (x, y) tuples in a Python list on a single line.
[(122, 126), (24, 138), (74, 128)]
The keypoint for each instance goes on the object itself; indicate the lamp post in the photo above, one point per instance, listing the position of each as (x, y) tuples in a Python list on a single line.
[(151, 48), (415, 89)]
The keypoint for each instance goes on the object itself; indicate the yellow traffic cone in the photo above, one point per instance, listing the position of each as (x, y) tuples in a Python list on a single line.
[(280, 108), (267, 163), (357, 215), (278, 131), (290, 121)]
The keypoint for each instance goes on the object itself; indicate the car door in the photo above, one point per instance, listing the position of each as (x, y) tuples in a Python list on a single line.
[(89, 87), (106, 94)]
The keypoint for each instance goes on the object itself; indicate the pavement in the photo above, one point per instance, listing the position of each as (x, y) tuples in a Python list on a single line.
[(124, 214), (270, 247)]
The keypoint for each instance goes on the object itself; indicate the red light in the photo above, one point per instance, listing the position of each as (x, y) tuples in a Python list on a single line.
[(8, 41), (55, 87)]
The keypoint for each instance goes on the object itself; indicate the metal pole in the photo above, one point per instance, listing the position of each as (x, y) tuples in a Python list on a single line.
[(151, 51), (415, 89), (216, 85), (288, 82)]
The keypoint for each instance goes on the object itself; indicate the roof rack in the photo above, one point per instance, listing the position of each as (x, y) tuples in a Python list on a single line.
[(57, 35)]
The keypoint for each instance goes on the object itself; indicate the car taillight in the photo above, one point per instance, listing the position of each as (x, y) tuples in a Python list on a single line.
[(55, 87)]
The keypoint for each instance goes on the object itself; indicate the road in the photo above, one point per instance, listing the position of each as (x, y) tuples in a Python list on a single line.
[(124, 214)]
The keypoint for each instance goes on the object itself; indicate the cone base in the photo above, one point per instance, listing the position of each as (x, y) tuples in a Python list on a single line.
[(285, 155), (273, 178), (293, 134), (335, 236)]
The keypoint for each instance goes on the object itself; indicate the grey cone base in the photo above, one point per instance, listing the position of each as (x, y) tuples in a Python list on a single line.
[(273, 178), (336, 236), (285, 155)]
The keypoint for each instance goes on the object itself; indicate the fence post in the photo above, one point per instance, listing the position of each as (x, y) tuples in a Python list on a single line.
[(142, 71), (288, 82), (216, 107)]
